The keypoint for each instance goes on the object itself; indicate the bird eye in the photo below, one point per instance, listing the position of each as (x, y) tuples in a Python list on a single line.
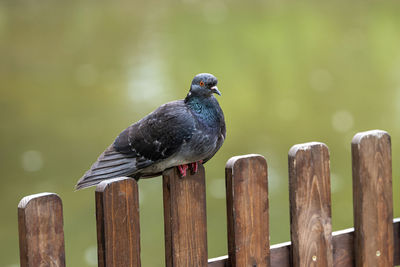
[(201, 83)]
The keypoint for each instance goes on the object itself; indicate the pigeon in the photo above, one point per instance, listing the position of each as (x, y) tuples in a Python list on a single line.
[(181, 133)]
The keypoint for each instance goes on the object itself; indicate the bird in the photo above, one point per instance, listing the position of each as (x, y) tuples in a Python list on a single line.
[(180, 133)]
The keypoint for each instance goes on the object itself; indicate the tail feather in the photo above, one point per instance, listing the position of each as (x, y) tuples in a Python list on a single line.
[(114, 156), (110, 164)]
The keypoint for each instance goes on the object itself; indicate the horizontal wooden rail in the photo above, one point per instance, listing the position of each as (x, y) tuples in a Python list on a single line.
[(343, 250)]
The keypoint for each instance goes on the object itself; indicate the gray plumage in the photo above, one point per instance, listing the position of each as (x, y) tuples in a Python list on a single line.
[(177, 133)]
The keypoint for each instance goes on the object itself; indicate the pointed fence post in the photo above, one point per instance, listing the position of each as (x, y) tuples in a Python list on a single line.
[(185, 218), (117, 215), (41, 234), (310, 205), (372, 199), (247, 211)]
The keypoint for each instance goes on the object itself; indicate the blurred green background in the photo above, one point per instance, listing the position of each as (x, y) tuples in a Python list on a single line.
[(73, 74)]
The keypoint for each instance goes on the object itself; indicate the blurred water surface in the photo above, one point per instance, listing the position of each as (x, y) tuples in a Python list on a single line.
[(75, 73)]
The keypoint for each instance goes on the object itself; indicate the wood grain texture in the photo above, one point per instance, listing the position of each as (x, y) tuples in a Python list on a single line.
[(372, 199), (117, 215), (41, 235), (280, 254), (310, 205), (185, 218), (247, 211), (343, 250)]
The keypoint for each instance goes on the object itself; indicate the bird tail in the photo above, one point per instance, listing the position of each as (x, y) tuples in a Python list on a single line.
[(110, 164)]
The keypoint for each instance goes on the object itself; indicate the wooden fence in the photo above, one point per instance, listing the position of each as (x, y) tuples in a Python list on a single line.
[(374, 241)]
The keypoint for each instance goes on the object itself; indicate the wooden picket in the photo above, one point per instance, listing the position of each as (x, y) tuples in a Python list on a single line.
[(310, 205), (375, 240), (372, 197), (41, 234), (185, 218), (247, 211), (117, 215)]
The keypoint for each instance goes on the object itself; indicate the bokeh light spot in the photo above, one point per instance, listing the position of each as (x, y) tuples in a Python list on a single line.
[(91, 256), (321, 80), (342, 121), (32, 160), (217, 188)]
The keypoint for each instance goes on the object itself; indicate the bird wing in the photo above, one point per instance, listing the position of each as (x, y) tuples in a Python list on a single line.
[(159, 135), (154, 138), (221, 137), (109, 164)]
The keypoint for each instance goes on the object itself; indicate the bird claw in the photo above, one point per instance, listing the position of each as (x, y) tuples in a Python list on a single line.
[(182, 169), (194, 166)]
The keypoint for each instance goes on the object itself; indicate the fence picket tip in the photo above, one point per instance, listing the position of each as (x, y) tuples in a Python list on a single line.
[(304, 147), (358, 137), (236, 159), (25, 201), (101, 187)]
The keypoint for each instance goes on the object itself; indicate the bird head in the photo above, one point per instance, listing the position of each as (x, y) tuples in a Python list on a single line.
[(204, 84)]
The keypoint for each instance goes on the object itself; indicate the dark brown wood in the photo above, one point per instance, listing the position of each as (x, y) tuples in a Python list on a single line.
[(310, 205), (247, 211), (396, 238), (117, 215), (279, 257), (185, 218), (372, 199), (41, 235), (343, 250), (280, 254)]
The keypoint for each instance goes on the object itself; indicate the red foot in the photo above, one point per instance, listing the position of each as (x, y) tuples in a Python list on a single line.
[(182, 169), (194, 166)]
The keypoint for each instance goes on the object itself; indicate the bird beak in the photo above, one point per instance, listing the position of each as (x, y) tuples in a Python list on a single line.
[(215, 90)]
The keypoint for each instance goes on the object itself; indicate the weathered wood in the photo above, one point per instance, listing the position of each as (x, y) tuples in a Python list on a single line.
[(343, 250), (280, 254), (41, 235), (247, 211), (310, 205), (185, 218), (372, 199), (117, 215)]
